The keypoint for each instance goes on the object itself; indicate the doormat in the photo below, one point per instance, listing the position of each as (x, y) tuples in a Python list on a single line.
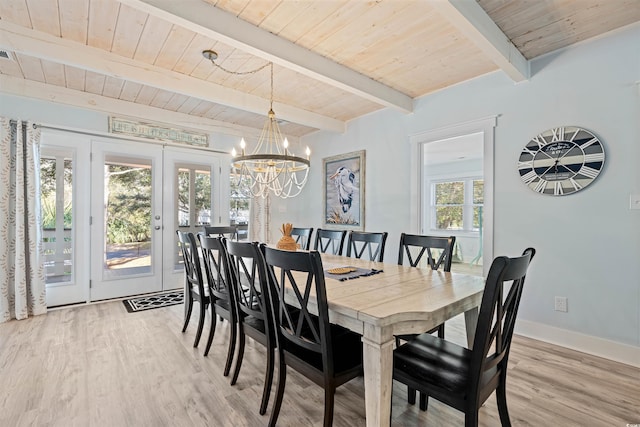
[(149, 302)]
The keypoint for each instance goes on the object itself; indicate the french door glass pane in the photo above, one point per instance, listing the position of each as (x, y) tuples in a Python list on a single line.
[(128, 191), (194, 202), (56, 177)]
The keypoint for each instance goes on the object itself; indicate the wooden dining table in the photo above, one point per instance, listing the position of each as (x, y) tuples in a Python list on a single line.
[(399, 300)]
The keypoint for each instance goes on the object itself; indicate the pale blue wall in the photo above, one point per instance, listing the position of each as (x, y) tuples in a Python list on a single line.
[(588, 243)]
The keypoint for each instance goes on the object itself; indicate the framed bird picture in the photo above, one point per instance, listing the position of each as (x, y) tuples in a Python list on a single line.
[(343, 191)]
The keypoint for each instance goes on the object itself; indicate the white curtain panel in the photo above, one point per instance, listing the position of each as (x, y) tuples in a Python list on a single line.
[(22, 282), (260, 223)]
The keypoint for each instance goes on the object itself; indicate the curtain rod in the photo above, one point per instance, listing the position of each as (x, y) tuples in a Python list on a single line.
[(126, 138)]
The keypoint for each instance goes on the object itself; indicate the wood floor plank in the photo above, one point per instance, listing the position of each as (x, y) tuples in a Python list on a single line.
[(97, 365)]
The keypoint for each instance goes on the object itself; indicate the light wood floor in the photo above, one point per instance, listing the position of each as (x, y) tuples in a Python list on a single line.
[(98, 365)]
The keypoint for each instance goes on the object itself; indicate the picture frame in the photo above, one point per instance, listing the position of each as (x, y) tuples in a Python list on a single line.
[(343, 191)]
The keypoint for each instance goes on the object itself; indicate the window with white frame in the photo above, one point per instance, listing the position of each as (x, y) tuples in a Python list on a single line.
[(456, 204)]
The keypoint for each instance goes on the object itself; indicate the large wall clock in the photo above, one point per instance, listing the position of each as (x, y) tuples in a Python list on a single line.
[(561, 161)]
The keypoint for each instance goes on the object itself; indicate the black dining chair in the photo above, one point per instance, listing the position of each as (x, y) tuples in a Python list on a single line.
[(228, 231), (330, 241), (463, 378), (302, 237), (328, 355), (373, 243), (415, 246), (194, 289), (222, 302), (255, 317)]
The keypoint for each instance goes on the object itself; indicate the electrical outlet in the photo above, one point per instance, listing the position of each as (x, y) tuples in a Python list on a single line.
[(561, 304)]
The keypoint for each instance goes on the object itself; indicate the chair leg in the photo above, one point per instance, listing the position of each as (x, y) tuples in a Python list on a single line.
[(203, 312), (441, 331), (188, 306), (424, 401), (268, 379), (232, 347), (239, 358), (212, 330), (471, 418), (282, 379), (329, 394), (501, 397), (411, 395)]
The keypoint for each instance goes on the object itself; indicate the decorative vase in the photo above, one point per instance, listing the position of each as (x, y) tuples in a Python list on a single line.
[(287, 242)]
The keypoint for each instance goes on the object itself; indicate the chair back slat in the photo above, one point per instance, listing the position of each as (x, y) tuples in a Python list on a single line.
[(410, 243), (330, 241), (302, 237), (193, 272), (302, 273), (497, 316), (374, 243), (249, 279), (215, 265)]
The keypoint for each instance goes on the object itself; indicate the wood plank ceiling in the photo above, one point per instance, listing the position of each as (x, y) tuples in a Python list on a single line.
[(334, 60)]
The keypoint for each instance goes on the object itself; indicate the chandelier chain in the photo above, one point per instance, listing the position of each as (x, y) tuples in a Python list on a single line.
[(242, 73)]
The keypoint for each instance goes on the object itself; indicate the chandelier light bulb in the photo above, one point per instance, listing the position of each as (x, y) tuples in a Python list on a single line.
[(285, 143), (308, 152), (233, 152)]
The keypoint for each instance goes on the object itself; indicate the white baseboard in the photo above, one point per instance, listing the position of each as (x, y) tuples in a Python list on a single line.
[(600, 347)]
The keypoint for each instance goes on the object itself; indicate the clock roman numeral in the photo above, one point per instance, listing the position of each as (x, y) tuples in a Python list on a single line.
[(557, 134), (589, 142), (526, 165), (557, 188), (529, 177), (540, 186), (588, 172), (595, 157), (540, 141), (574, 135), (575, 184)]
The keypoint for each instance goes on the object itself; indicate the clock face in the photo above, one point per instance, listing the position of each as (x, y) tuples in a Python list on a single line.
[(561, 161)]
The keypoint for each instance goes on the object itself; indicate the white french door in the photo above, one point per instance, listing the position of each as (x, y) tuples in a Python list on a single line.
[(192, 198), (64, 176), (126, 219), (111, 210)]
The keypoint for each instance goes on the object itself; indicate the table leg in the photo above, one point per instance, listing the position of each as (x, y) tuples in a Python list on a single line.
[(378, 375), (470, 323)]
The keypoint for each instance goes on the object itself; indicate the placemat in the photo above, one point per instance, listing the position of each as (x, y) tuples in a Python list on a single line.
[(357, 272)]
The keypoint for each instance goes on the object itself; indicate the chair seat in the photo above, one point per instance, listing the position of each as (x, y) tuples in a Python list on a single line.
[(223, 304), (347, 357), (196, 292), (255, 323), (435, 361)]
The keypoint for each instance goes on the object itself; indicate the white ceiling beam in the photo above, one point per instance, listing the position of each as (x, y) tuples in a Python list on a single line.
[(44, 46), (468, 17), (61, 95), (210, 21)]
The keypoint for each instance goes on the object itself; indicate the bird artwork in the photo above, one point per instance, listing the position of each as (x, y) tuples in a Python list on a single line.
[(344, 179)]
